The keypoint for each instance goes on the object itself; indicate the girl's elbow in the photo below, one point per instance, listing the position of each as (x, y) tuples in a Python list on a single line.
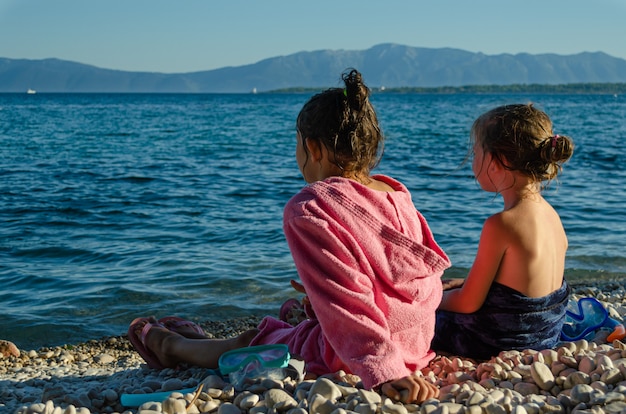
[(461, 306), (455, 302), (469, 307)]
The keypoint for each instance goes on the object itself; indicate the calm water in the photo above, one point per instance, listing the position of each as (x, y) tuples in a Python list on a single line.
[(115, 206)]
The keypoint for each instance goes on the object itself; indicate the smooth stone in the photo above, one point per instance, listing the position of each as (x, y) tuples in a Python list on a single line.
[(519, 409), (365, 408), (278, 398), (604, 362), (150, 406), (569, 360), (607, 398), (213, 381), (369, 397), (326, 388), (450, 389), (487, 384), (209, 406), (581, 393), (174, 406), (576, 378), (390, 408), (103, 358), (228, 408), (611, 376), (587, 365), (297, 410), (347, 391), (549, 356), (497, 395), (214, 392), (249, 401), (494, 408), (270, 383), (552, 409), (110, 395), (526, 388), (557, 368), (453, 408), (600, 386), (523, 370), (193, 409), (153, 385), (241, 396), (172, 384), (615, 408), (458, 377), (542, 375), (475, 398), (320, 405), (532, 408), (474, 409)]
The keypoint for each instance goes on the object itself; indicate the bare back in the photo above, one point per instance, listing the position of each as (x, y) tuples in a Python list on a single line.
[(535, 244)]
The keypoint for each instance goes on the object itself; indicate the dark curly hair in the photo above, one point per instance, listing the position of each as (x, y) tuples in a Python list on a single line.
[(520, 137), (345, 122)]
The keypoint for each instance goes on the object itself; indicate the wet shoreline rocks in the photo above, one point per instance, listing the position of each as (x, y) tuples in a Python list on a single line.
[(575, 377)]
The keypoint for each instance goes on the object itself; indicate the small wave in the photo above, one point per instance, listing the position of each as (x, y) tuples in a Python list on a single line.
[(73, 254), (132, 179)]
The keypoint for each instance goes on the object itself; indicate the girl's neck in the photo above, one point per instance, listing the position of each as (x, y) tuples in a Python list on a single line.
[(515, 195), (359, 177), (370, 182)]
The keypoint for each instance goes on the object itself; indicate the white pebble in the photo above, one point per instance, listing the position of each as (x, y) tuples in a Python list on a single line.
[(542, 375), (326, 388)]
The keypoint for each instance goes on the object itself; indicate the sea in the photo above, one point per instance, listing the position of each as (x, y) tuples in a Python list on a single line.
[(114, 206)]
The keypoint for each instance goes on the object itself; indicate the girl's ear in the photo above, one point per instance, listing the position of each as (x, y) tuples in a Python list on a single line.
[(504, 164), (495, 164), (314, 149)]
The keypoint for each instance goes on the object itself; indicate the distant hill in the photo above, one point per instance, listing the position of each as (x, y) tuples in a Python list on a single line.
[(385, 65)]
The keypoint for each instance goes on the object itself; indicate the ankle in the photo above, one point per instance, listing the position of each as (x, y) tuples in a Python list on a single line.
[(244, 339)]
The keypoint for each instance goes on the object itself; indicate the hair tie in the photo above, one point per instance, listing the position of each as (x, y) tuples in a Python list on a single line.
[(345, 93), (554, 138)]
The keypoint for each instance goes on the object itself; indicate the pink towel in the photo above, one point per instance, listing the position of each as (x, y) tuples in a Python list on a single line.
[(372, 271)]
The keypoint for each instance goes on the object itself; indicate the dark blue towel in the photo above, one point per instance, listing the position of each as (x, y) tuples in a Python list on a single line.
[(507, 320)]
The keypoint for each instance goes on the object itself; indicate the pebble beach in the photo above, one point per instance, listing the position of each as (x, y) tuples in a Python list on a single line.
[(586, 376)]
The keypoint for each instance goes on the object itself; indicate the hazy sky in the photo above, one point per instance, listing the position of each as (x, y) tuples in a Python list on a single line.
[(193, 35)]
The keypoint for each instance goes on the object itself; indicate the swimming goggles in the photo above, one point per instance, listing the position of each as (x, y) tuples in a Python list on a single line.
[(260, 356), (583, 318)]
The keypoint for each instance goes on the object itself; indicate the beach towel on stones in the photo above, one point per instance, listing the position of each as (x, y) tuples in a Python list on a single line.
[(507, 320)]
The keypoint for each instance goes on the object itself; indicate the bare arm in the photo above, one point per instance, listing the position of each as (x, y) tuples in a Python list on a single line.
[(491, 249)]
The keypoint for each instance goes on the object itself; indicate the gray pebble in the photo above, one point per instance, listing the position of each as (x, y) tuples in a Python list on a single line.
[(228, 408)]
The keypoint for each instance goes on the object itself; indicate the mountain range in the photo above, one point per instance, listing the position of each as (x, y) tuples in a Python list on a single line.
[(384, 65)]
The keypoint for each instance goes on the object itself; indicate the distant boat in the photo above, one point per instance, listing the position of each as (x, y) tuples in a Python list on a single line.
[(31, 91), (253, 90)]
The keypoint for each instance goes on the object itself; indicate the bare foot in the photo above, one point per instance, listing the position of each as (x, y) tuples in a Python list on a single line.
[(172, 349), (158, 340), (183, 327)]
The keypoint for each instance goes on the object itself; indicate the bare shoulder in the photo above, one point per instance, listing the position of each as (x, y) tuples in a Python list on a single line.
[(498, 224), (379, 185)]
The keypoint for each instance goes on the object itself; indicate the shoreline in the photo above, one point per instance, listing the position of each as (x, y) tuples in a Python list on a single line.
[(90, 377)]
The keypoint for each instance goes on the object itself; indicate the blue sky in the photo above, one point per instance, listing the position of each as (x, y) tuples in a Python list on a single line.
[(193, 35)]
